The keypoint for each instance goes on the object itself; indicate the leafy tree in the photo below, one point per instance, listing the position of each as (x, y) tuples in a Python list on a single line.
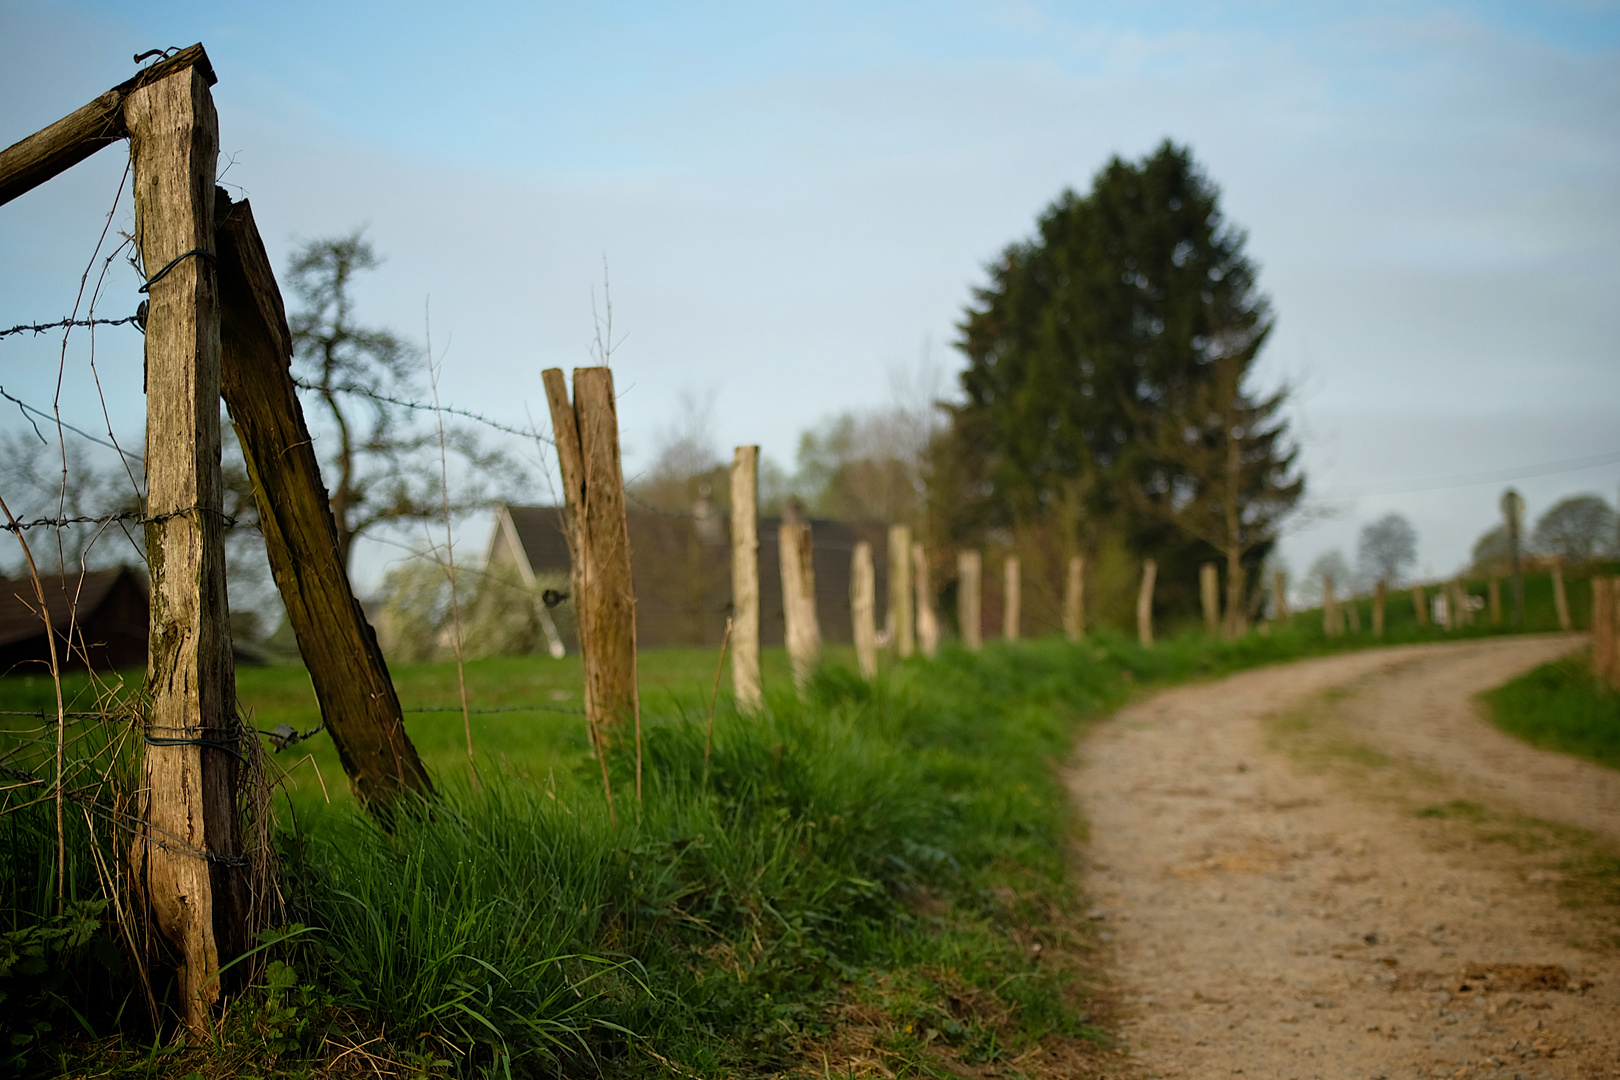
[(1575, 529), (383, 465), (1105, 387), (1329, 566), (1386, 549)]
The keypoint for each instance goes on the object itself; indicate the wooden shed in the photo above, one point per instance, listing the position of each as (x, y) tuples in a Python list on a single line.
[(100, 617)]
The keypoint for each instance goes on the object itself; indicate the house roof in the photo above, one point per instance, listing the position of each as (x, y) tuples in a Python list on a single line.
[(67, 597)]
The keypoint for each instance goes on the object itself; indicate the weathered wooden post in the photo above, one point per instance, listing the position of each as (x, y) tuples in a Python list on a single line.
[(1144, 602), (1237, 614), (803, 630), (1602, 628), (1209, 595), (188, 854), (927, 613), (902, 628), (969, 565), (1380, 591), (1279, 597), (1420, 604), (1513, 515), (1494, 590), (1074, 599), (1331, 624), (745, 578), (1560, 600), (346, 667), (863, 608), (587, 436), (1011, 611)]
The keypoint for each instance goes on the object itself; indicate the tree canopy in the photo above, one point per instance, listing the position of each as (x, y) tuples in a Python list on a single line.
[(1108, 360), (1387, 548), (1575, 529)]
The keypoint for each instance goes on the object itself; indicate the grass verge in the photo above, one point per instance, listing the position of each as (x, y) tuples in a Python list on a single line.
[(1560, 706)]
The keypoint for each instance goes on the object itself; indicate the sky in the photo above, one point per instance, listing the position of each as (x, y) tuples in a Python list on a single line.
[(793, 202)]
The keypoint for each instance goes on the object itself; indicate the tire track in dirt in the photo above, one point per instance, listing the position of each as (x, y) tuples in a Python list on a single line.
[(1269, 919)]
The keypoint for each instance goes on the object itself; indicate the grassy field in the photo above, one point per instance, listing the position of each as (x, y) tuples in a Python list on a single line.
[(876, 875), (1560, 706)]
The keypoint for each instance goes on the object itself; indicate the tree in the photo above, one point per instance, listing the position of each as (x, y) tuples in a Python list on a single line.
[(1328, 566), (1575, 529), (383, 465), (1386, 549), (1106, 383)]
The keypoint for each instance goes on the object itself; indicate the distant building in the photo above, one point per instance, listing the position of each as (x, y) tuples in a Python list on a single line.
[(681, 567), (101, 620)]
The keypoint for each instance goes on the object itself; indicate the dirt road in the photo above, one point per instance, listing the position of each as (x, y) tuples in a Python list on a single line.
[(1319, 870)]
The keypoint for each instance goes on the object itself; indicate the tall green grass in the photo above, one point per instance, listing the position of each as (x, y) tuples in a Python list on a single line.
[(1561, 706)]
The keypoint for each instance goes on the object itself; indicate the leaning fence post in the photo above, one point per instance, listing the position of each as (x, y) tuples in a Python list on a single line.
[(1074, 599), (927, 616), (1379, 593), (863, 608), (1209, 595), (969, 565), (902, 628), (1560, 599), (587, 437), (1144, 603), (803, 633), (1012, 585), (745, 577), (189, 852)]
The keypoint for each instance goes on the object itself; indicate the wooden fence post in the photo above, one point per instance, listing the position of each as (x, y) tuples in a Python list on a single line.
[(587, 435), (359, 705), (1209, 594), (1331, 624), (1074, 599), (969, 565), (1494, 591), (803, 632), (1380, 592), (1144, 603), (863, 608), (745, 578), (902, 629), (927, 614), (1279, 597), (1012, 597), (1602, 628), (1560, 599), (1420, 605), (189, 851)]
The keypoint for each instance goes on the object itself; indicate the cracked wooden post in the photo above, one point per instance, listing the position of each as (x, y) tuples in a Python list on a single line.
[(1560, 598), (745, 578), (969, 571), (587, 436), (803, 631), (1380, 591), (1074, 599), (863, 608), (927, 614), (359, 705), (1209, 595), (902, 627), (1012, 598), (1144, 602), (188, 856)]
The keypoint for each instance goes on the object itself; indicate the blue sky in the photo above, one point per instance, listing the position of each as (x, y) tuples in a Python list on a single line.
[(796, 200)]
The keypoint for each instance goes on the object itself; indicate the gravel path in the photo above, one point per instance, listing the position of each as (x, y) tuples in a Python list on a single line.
[(1271, 918)]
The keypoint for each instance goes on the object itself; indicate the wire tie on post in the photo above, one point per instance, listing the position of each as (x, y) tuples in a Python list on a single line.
[(161, 274)]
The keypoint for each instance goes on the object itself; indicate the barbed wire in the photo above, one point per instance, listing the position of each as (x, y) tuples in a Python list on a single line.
[(64, 324), (134, 516), (421, 406)]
